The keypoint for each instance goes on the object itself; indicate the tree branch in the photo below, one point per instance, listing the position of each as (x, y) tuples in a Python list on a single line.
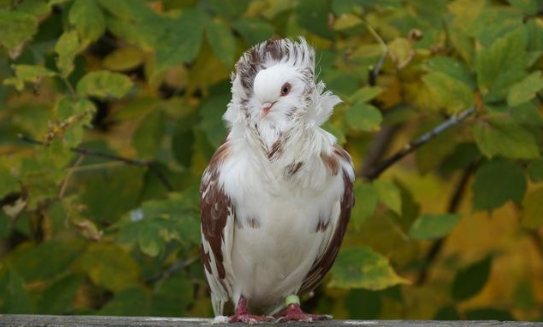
[(175, 267), (454, 203), (101, 154), (372, 174)]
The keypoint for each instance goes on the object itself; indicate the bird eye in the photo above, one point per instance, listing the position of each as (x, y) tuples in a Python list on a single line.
[(285, 89)]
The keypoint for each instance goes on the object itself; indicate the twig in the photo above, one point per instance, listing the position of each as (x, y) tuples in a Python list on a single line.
[(454, 203), (101, 154), (68, 175), (375, 71), (178, 265), (409, 148), (378, 147), (70, 87)]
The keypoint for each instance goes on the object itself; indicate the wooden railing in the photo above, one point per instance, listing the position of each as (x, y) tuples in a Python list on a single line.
[(101, 321)]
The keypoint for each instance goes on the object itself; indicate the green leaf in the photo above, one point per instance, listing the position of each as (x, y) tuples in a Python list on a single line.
[(389, 194), (529, 7), (149, 239), (222, 42), (125, 183), (130, 302), (448, 92), (166, 303), (313, 15), (503, 137), (452, 68), (180, 40), (14, 298), (471, 280), (485, 29), (16, 28), (37, 8), (5, 224), (9, 182), (532, 214), (147, 137), (500, 66), (229, 9), (104, 84), (88, 19), (526, 114), (211, 112), (535, 169), (28, 74), (497, 182), (366, 202), (56, 299), (124, 59), (361, 267), (110, 266), (525, 90), (75, 115), (182, 145), (253, 30), (432, 226), (67, 48), (366, 93), (363, 117), (45, 260)]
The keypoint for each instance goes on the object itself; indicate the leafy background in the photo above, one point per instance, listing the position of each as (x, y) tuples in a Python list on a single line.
[(450, 232)]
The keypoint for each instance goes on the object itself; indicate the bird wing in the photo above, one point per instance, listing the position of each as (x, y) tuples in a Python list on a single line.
[(326, 257), (218, 218)]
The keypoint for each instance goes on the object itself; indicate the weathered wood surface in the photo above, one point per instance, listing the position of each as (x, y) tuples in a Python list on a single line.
[(100, 321)]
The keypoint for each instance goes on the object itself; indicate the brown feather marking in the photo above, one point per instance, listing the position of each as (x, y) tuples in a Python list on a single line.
[(293, 168), (342, 153), (215, 209), (331, 162), (322, 226), (277, 148), (324, 263), (253, 223)]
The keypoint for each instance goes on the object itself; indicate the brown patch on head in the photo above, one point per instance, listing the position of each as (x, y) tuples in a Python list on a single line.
[(273, 47), (293, 168), (331, 162), (253, 61)]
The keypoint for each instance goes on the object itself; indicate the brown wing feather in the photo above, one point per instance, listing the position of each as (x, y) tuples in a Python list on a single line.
[(215, 210), (324, 263)]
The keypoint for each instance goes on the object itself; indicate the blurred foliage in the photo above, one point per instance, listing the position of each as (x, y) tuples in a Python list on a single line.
[(452, 232)]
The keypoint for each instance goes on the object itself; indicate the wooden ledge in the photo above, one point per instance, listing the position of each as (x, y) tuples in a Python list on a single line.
[(101, 321)]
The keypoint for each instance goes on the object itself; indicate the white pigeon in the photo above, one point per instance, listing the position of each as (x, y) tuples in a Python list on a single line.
[(277, 195)]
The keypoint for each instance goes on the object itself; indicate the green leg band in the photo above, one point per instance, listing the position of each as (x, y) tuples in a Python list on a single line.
[(292, 299)]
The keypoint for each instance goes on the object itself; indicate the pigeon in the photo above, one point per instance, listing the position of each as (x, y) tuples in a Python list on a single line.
[(277, 195)]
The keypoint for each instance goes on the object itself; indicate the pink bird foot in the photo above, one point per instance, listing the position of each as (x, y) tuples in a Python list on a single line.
[(242, 315), (294, 313)]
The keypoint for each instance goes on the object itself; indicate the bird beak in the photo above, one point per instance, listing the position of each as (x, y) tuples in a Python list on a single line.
[(265, 109)]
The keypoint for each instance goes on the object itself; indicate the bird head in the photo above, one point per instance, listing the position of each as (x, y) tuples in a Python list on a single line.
[(278, 93), (274, 88)]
